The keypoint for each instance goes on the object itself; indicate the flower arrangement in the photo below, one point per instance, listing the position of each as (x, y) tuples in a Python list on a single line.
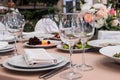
[(104, 17)]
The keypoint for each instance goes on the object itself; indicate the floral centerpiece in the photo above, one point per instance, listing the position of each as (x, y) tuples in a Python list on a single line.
[(104, 17)]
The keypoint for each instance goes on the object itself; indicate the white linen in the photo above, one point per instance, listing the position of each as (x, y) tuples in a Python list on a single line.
[(38, 56), (6, 37), (46, 25), (109, 35), (3, 45), (37, 34)]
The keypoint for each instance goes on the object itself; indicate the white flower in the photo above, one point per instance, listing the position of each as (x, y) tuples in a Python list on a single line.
[(99, 23), (114, 22), (86, 7), (99, 6)]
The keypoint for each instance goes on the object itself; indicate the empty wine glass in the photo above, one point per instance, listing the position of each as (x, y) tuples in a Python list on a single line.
[(87, 31), (14, 26), (68, 34), (22, 23)]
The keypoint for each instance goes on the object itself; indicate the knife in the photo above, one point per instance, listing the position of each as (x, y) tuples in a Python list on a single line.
[(55, 71)]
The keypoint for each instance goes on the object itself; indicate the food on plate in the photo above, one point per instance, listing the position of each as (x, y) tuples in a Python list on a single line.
[(36, 41), (57, 35), (116, 55), (76, 46)]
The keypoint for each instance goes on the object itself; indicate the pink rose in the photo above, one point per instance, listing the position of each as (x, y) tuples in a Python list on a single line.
[(112, 11)]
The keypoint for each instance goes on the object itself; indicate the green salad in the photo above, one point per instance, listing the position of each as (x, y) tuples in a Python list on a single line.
[(116, 55), (76, 46)]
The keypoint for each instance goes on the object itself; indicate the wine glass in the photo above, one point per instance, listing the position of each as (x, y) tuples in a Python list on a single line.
[(68, 34), (14, 26), (22, 23), (87, 31)]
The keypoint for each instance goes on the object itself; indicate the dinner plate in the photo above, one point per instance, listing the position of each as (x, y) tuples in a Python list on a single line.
[(7, 49), (109, 51), (75, 50), (19, 61), (8, 38), (6, 65), (53, 44), (103, 42)]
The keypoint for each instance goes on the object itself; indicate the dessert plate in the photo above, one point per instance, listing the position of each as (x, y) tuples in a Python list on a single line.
[(52, 44)]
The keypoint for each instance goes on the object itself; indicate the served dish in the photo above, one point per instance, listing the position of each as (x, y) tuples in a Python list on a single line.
[(60, 47), (103, 43), (109, 51), (52, 44)]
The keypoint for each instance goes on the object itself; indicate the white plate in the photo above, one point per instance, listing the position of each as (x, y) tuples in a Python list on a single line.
[(7, 49), (19, 61), (53, 44), (103, 43), (75, 50), (3, 45), (109, 51), (8, 38), (6, 65)]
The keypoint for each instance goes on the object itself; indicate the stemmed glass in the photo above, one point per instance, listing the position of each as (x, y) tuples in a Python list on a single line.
[(14, 26), (87, 31), (22, 23), (68, 34)]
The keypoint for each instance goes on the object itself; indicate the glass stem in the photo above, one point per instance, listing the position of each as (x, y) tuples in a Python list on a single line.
[(83, 54), (71, 51), (16, 52)]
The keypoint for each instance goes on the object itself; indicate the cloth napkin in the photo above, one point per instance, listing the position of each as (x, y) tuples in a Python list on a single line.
[(38, 56), (3, 45), (46, 25), (109, 34)]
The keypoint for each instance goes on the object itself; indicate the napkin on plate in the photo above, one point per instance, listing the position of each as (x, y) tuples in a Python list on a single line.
[(46, 25), (3, 45), (38, 56)]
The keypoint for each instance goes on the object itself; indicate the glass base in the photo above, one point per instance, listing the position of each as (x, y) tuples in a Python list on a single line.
[(71, 75), (85, 67)]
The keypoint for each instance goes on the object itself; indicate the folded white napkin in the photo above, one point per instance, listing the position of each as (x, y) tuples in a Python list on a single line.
[(3, 45), (46, 25), (109, 34), (38, 56)]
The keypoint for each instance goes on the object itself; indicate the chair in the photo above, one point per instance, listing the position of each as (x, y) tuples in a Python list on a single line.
[(46, 25)]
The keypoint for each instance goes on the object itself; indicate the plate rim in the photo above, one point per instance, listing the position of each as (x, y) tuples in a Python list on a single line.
[(98, 40), (5, 64)]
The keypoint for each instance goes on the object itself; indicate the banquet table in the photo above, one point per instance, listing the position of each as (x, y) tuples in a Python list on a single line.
[(104, 67)]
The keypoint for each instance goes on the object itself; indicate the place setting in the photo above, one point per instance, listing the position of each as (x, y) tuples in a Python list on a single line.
[(35, 60)]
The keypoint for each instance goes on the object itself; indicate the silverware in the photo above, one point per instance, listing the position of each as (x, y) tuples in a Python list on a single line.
[(55, 71)]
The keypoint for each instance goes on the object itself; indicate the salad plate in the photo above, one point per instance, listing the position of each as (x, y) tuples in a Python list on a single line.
[(111, 51)]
